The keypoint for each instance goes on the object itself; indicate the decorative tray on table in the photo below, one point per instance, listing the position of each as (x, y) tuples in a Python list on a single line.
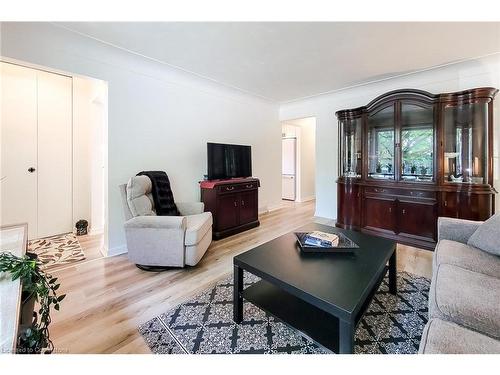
[(343, 245)]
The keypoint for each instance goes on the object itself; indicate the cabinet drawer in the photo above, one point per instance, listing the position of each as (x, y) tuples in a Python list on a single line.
[(401, 192), (237, 187), (227, 188)]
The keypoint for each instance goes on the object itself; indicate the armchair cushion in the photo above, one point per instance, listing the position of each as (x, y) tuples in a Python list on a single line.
[(156, 222), (456, 229), (197, 227), (190, 208), (487, 236), (139, 198)]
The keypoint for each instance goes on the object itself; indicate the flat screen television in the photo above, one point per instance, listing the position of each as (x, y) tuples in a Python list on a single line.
[(228, 161)]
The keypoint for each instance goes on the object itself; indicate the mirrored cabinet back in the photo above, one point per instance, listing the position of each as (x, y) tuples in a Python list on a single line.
[(410, 156)]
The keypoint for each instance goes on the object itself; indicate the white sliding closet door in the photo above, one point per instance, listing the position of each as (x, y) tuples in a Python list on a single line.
[(54, 154), (36, 150), (18, 108)]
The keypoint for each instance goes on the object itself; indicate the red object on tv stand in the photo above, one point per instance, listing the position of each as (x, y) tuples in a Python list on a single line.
[(233, 203)]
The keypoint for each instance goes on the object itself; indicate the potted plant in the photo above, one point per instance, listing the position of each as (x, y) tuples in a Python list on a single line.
[(37, 286), (379, 168), (389, 168), (413, 169), (423, 170)]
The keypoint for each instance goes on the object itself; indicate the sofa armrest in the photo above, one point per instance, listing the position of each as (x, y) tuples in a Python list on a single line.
[(190, 208), (156, 222), (456, 229)]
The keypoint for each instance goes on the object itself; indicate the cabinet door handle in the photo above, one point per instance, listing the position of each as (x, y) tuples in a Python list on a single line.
[(235, 204), (445, 203), (390, 209), (242, 203), (404, 212)]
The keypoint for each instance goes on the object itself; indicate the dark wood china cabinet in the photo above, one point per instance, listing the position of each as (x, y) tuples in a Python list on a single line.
[(410, 156)]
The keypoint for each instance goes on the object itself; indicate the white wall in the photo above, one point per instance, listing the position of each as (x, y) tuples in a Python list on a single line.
[(304, 130), (456, 77), (158, 117), (89, 125)]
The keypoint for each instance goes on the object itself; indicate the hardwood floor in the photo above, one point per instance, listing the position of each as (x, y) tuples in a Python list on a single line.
[(108, 298)]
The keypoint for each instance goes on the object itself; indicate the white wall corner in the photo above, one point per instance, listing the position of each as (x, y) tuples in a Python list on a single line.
[(117, 250)]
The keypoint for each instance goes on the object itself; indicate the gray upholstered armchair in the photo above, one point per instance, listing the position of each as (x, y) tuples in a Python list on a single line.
[(163, 241)]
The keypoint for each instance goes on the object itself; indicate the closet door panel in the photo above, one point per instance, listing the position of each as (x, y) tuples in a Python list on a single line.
[(18, 146), (54, 154)]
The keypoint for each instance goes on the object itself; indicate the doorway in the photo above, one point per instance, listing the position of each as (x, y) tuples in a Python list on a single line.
[(298, 159)]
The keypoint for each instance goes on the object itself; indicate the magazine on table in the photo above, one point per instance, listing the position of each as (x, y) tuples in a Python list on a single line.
[(321, 239)]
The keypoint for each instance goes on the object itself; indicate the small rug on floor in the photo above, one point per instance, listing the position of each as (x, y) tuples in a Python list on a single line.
[(57, 250), (204, 324)]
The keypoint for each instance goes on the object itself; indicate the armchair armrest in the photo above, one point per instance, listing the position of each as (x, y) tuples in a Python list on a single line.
[(156, 222), (456, 229), (190, 208)]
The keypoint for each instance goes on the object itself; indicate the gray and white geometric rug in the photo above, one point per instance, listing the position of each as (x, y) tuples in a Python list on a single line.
[(57, 250), (204, 324)]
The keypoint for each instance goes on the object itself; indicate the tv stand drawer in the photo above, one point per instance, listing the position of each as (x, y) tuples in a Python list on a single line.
[(231, 188)]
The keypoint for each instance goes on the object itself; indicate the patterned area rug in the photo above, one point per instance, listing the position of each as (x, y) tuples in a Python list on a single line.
[(203, 325), (57, 250)]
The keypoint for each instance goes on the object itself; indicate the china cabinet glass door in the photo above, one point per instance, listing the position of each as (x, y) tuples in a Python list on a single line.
[(381, 144), (466, 143), (351, 133), (417, 143)]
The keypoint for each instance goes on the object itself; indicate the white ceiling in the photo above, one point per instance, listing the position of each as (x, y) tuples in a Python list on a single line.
[(286, 61)]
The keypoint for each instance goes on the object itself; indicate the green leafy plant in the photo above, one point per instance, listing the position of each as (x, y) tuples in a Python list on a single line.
[(42, 287)]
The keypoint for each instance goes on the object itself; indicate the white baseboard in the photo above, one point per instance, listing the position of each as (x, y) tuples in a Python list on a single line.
[(306, 199), (94, 231), (270, 208), (324, 220), (117, 250)]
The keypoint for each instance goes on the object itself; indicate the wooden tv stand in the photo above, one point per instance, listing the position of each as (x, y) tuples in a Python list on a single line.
[(233, 204)]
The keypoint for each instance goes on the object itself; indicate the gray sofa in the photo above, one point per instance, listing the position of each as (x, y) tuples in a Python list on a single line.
[(464, 298), (163, 241)]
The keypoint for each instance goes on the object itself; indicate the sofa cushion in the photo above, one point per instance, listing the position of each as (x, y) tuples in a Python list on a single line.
[(139, 198), (441, 337), (487, 236), (467, 257), (197, 226), (467, 298)]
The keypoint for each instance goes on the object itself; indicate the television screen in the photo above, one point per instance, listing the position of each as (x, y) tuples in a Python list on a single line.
[(228, 161)]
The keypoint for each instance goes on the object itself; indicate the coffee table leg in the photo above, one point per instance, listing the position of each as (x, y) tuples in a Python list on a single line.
[(346, 337), (393, 289), (237, 298)]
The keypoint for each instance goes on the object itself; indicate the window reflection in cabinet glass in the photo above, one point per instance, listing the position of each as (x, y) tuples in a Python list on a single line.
[(381, 144), (351, 147), (417, 143), (466, 143)]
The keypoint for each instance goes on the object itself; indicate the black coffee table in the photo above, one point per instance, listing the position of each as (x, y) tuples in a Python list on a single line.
[(322, 295)]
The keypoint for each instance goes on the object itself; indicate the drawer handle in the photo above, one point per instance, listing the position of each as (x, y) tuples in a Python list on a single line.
[(379, 190), (418, 193), (229, 188), (249, 186)]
